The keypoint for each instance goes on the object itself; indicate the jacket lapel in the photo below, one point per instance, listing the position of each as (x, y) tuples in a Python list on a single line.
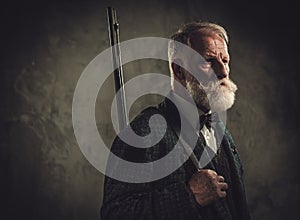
[(172, 116)]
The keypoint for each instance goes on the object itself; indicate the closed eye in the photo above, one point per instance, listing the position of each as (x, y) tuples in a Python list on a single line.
[(210, 60), (213, 60)]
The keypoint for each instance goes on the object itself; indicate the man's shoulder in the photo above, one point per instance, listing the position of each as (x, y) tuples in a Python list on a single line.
[(140, 123), (152, 128), (145, 114), (156, 116)]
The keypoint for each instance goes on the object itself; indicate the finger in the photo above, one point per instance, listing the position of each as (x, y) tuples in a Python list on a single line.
[(211, 172), (222, 194), (223, 186), (208, 173), (221, 179)]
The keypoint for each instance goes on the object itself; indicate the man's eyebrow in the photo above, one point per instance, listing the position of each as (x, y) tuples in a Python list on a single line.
[(213, 55), (209, 56), (210, 50)]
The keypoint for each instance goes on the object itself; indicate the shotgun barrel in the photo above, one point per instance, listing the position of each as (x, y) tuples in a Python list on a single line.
[(114, 37)]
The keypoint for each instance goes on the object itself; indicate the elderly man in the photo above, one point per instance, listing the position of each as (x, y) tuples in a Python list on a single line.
[(212, 191)]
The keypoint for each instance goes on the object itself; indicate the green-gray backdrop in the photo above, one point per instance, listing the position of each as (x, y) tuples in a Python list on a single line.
[(46, 45)]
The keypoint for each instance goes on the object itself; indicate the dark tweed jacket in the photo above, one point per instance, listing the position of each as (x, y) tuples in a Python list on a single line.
[(170, 197)]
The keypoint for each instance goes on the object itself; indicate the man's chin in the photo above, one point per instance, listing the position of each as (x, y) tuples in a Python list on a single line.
[(222, 103), (218, 97)]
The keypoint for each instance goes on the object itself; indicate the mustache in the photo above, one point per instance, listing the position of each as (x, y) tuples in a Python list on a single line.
[(229, 84), (221, 84)]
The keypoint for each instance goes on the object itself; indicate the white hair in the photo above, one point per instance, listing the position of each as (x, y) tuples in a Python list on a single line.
[(183, 35)]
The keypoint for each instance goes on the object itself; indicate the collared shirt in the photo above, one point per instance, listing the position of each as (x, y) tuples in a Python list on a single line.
[(186, 108)]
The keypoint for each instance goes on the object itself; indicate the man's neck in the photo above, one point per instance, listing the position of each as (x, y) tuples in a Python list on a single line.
[(187, 107)]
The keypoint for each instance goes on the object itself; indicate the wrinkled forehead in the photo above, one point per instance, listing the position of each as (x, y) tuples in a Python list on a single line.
[(205, 43)]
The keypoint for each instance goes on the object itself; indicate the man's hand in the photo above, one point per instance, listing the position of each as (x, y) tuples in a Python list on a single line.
[(207, 186)]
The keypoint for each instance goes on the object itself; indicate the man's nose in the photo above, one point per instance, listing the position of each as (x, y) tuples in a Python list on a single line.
[(221, 70)]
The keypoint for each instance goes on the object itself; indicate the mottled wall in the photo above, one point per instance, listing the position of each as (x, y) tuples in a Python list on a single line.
[(46, 46)]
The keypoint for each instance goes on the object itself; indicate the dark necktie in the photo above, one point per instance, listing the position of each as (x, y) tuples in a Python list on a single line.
[(206, 119)]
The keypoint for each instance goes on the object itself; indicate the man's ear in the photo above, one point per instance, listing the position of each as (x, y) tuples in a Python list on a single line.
[(178, 72)]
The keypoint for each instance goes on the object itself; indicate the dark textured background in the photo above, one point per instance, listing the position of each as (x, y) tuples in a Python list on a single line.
[(46, 45)]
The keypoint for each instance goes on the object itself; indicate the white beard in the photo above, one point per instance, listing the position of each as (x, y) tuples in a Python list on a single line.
[(217, 96)]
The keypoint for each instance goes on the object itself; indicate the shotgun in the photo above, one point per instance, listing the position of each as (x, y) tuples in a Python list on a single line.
[(114, 37)]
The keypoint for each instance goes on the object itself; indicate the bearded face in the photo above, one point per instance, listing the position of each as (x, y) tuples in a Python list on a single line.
[(217, 91), (217, 95)]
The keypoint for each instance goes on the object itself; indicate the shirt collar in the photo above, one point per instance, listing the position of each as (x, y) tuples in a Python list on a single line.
[(187, 108)]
